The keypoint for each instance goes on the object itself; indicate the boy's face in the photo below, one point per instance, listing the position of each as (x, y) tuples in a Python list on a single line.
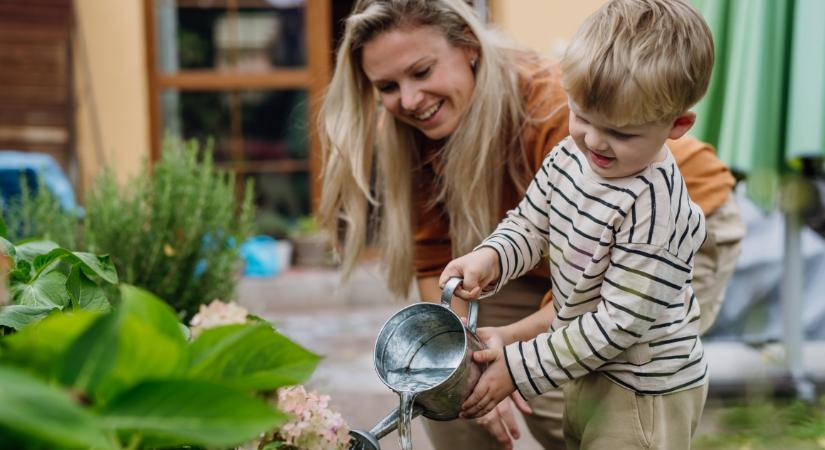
[(615, 152)]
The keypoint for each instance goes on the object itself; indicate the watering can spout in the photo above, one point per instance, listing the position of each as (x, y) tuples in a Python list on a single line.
[(368, 440)]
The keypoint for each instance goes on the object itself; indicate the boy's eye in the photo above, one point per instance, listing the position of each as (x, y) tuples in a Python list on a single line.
[(581, 119), (620, 135)]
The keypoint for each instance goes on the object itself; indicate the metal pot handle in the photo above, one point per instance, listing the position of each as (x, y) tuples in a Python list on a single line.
[(447, 296)]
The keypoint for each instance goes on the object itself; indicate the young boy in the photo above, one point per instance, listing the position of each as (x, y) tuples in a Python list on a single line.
[(610, 209)]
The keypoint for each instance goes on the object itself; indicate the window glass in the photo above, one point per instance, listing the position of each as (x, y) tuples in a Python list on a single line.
[(258, 36)]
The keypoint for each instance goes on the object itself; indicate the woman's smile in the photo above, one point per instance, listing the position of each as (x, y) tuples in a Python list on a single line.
[(421, 78)]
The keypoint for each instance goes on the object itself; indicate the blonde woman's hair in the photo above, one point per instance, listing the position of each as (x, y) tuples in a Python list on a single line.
[(368, 168), (639, 61)]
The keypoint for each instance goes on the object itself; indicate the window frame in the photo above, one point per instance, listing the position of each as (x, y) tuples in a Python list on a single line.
[(313, 78)]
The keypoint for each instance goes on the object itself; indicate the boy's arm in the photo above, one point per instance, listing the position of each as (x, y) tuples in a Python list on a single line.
[(521, 239), (640, 284), (528, 327)]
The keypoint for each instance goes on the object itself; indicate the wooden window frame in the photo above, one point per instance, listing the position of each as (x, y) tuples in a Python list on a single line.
[(313, 78)]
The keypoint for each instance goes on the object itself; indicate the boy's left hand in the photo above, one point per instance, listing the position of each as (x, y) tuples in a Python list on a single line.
[(493, 386)]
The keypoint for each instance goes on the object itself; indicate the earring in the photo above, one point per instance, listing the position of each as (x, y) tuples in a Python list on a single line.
[(473, 63)]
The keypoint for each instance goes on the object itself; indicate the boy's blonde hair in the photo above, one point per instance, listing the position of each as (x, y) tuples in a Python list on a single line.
[(639, 61)]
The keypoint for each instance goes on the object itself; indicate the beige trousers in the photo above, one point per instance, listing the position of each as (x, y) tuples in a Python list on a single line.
[(601, 415), (713, 266)]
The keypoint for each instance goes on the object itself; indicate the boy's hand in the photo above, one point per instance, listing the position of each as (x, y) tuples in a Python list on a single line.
[(477, 269), (493, 386)]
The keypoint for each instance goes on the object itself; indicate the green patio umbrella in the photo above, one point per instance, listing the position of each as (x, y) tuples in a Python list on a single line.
[(766, 102), (765, 109)]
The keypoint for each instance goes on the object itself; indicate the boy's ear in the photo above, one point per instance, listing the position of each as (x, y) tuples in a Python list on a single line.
[(681, 125)]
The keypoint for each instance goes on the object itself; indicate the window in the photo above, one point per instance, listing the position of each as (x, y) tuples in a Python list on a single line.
[(246, 75)]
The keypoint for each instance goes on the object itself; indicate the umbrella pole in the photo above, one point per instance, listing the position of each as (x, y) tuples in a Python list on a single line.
[(792, 307)]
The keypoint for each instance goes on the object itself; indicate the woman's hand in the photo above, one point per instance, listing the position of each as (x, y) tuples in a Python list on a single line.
[(477, 269), (494, 385)]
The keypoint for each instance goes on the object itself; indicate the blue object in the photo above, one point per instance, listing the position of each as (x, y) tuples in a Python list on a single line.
[(260, 253), (32, 165)]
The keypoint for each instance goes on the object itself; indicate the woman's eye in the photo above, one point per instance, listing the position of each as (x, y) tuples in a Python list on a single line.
[(422, 73), (385, 87)]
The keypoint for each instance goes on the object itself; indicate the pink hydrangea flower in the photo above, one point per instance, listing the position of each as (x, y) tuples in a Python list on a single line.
[(313, 426), (217, 314)]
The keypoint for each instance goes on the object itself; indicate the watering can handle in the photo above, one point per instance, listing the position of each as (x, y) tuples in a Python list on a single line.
[(447, 296)]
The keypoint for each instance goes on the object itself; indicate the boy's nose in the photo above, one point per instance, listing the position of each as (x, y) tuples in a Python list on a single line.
[(594, 141)]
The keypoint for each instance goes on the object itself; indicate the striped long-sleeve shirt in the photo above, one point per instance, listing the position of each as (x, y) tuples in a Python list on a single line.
[(621, 258)]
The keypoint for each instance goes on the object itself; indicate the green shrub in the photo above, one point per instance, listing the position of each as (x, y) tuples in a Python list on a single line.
[(175, 231), (174, 228), (40, 215)]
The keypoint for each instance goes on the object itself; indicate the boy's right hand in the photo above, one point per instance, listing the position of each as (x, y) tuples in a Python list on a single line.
[(478, 269)]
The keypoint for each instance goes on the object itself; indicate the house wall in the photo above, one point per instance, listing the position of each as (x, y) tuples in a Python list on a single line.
[(110, 87), (110, 71), (543, 25)]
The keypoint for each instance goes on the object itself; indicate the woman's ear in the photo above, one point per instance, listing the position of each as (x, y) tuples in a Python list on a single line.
[(681, 125)]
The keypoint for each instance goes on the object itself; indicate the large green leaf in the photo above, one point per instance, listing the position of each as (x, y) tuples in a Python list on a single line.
[(90, 264), (100, 265), (41, 346), (46, 290), (142, 304), (251, 357), (46, 416), (85, 293), (118, 351), (18, 316), (195, 412), (30, 250)]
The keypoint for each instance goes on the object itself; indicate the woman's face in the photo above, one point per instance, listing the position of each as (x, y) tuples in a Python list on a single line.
[(423, 80)]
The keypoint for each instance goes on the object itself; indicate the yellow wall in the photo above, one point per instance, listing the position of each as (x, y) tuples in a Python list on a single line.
[(111, 87), (543, 25)]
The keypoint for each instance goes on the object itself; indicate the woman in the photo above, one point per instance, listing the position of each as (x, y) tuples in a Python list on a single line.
[(465, 120)]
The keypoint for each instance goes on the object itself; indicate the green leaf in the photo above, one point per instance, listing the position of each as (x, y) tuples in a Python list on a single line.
[(41, 261), (195, 412), (4, 231), (18, 316), (22, 273), (29, 250), (45, 290), (45, 415), (118, 351), (99, 265), (85, 293), (41, 345), (7, 247), (250, 356), (142, 304)]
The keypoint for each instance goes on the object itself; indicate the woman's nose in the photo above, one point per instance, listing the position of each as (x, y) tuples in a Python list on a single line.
[(410, 98)]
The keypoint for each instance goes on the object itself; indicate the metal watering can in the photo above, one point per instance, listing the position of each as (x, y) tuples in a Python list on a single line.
[(425, 352)]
